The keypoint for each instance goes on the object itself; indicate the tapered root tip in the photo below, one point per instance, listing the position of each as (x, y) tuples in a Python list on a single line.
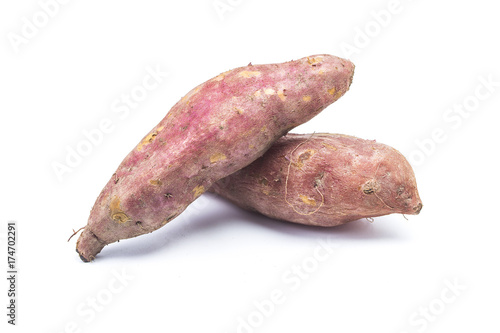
[(352, 74), (418, 208), (82, 257), (88, 246)]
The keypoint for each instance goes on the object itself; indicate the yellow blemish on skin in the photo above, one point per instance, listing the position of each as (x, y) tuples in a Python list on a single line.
[(251, 146), (190, 94), (220, 77), (321, 72), (155, 182), (239, 110), (147, 140), (306, 98), (217, 157), (198, 190), (307, 200), (264, 128), (248, 74), (265, 191), (169, 115), (331, 91), (281, 95), (329, 146), (269, 91), (117, 214), (114, 205), (315, 60)]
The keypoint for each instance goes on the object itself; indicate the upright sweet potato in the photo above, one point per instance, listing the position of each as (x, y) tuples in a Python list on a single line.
[(324, 180), (216, 129)]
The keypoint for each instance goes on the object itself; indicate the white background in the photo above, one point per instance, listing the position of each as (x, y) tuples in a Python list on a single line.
[(217, 268)]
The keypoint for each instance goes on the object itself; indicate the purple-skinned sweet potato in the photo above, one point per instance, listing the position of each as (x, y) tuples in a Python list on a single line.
[(218, 128), (324, 180)]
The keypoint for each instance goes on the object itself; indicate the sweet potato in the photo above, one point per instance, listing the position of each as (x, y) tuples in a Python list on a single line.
[(218, 128), (324, 180)]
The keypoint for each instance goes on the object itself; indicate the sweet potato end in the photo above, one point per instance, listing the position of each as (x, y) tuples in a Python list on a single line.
[(88, 246)]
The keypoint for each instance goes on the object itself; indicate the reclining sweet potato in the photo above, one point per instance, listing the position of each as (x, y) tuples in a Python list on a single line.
[(324, 180), (218, 128)]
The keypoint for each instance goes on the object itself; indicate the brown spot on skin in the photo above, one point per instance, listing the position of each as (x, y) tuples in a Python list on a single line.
[(155, 182), (117, 214), (217, 157), (307, 200), (168, 219), (248, 74), (306, 98), (304, 157), (318, 181), (371, 187), (400, 190), (198, 190), (331, 91)]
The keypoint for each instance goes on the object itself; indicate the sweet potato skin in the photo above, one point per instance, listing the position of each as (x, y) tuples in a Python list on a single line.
[(324, 180), (216, 129)]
